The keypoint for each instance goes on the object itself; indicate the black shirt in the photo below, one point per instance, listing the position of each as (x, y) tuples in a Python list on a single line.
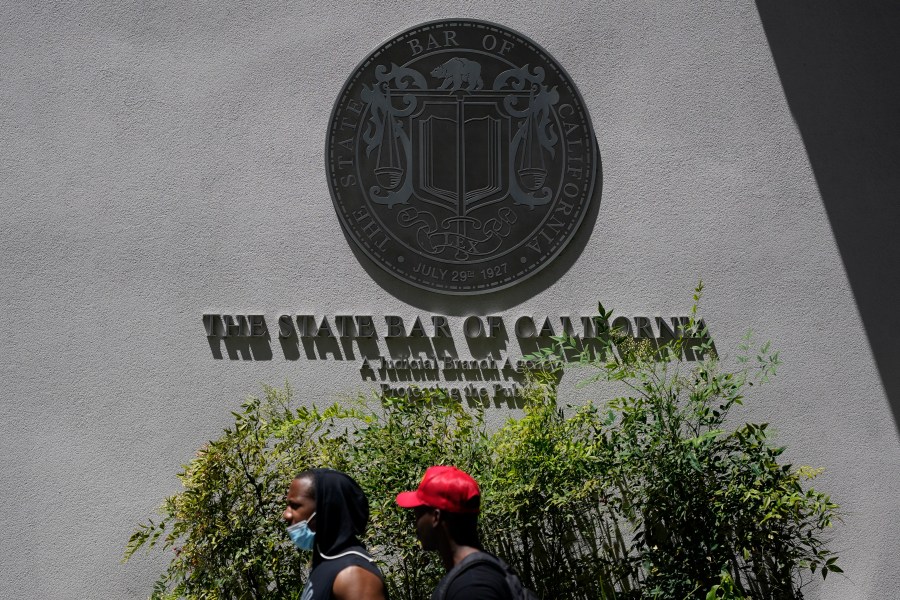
[(321, 579), (480, 581)]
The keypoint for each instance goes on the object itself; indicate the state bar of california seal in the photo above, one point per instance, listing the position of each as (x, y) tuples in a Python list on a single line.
[(460, 157)]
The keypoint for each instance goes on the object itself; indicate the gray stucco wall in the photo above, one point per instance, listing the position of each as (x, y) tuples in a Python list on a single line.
[(162, 161)]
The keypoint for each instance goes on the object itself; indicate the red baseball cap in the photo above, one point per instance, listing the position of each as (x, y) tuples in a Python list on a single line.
[(446, 488)]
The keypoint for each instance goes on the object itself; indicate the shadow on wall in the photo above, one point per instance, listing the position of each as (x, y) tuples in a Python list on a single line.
[(838, 65)]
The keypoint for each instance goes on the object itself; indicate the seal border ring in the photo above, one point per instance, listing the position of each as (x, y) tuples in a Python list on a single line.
[(551, 257)]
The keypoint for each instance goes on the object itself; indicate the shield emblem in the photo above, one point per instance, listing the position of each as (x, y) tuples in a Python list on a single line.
[(460, 150)]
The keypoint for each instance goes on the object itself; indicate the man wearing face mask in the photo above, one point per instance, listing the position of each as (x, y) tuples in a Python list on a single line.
[(327, 512)]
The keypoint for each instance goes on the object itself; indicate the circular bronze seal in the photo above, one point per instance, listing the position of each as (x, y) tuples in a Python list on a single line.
[(460, 157)]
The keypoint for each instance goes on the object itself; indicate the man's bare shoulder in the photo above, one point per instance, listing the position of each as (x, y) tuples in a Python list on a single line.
[(357, 583)]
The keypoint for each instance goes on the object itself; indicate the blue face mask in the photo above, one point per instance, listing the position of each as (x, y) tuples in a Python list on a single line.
[(301, 534)]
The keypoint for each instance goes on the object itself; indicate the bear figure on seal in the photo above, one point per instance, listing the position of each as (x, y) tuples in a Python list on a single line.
[(458, 71)]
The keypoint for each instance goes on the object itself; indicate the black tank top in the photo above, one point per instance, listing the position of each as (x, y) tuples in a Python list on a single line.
[(321, 579)]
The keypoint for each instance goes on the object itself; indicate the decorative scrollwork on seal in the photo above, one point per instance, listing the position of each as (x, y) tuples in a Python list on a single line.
[(459, 238)]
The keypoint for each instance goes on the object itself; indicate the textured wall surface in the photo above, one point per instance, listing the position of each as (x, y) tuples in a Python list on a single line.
[(159, 161)]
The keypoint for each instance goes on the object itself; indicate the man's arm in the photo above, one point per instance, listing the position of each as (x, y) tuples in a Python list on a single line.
[(357, 583)]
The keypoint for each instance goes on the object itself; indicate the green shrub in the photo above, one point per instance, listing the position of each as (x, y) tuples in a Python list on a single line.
[(647, 495), (712, 510), (224, 527)]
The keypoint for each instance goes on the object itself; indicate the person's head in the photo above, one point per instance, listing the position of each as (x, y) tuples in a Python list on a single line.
[(446, 505), (301, 500), (300, 513), (332, 505)]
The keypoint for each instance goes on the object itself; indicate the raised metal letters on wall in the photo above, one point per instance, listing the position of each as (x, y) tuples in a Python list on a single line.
[(460, 157)]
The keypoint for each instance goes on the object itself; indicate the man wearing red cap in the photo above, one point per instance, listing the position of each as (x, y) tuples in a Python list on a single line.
[(446, 508)]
